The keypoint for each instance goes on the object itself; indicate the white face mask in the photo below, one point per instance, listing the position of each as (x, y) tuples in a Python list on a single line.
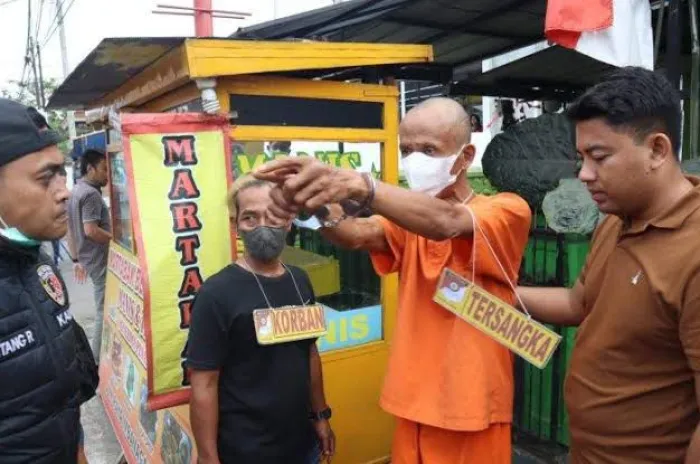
[(431, 175)]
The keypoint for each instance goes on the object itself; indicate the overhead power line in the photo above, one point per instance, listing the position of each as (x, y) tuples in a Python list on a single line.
[(52, 23), (27, 56), (57, 21), (7, 2), (32, 56), (38, 22)]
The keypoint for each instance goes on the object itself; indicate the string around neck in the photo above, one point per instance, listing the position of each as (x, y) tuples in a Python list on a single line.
[(476, 228), (262, 289), (468, 199)]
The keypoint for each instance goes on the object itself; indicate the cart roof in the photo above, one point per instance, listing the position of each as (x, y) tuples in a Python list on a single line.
[(132, 71)]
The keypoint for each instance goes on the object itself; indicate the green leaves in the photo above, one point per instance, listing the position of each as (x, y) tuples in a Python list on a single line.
[(25, 93)]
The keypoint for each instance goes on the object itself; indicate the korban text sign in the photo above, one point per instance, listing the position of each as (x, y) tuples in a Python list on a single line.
[(528, 339), (289, 323)]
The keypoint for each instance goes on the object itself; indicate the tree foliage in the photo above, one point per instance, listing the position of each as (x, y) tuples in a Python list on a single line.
[(27, 95)]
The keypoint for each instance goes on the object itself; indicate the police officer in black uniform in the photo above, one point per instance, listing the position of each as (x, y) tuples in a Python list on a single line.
[(41, 348)]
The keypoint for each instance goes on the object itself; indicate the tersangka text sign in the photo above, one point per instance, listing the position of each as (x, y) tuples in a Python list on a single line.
[(528, 339), (289, 323)]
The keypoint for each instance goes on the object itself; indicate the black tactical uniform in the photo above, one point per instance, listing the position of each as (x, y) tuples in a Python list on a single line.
[(39, 369)]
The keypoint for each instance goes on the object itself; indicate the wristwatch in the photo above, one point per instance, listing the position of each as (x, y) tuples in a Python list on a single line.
[(321, 415)]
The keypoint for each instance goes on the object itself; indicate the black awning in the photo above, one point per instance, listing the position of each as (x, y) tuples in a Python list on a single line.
[(554, 73), (461, 31)]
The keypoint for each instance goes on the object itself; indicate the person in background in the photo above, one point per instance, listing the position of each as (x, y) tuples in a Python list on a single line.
[(56, 246), (476, 123), (40, 373), (633, 387), (89, 233), (252, 403), (449, 385)]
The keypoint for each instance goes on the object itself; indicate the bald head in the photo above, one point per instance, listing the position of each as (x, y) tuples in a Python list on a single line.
[(437, 125), (443, 117)]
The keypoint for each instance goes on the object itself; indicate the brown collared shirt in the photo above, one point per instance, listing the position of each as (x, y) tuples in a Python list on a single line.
[(630, 391)]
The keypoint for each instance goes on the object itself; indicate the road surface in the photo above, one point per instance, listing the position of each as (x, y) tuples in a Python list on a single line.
[(101, 445)]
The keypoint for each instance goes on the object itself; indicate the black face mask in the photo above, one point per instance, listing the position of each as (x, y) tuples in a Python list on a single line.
[(264, 243)]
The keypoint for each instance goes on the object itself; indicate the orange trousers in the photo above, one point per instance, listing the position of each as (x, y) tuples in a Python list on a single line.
[(421, 444)]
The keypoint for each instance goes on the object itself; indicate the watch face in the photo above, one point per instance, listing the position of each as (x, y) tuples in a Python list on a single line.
[(321, 415)]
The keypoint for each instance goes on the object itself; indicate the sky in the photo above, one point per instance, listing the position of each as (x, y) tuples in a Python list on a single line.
[(87, 22)]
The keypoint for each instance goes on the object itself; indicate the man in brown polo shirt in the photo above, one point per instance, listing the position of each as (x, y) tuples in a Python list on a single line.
[(634, 381)]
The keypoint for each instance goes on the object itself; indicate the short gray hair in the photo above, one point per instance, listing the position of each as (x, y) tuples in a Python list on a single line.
[(241, 184)]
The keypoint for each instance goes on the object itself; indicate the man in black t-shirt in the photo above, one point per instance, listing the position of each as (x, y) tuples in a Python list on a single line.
[(253, 403)]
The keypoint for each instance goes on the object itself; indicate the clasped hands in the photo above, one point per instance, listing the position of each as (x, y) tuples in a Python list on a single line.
[(307, 184)]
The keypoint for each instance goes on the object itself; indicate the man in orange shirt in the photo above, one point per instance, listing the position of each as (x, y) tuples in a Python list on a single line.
[(449, 385)]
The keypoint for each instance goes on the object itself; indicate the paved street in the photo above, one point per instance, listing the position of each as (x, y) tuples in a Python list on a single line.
[(101, 445)]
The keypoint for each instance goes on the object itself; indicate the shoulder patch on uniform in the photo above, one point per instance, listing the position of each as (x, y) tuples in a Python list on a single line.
[(17, 343), (52, 284)]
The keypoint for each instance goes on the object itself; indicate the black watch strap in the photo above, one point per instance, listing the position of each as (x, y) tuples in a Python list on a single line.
[(321, 415)]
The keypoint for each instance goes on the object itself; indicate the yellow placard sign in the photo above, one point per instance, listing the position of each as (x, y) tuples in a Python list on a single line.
[(289, 323), (529, 339)]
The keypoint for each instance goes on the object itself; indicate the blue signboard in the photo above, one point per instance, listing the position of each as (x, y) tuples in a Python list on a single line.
[(97, 140), (351, 328)]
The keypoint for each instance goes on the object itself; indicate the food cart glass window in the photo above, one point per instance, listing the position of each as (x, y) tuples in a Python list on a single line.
[(343, 280), (257, 110), (119, 198)]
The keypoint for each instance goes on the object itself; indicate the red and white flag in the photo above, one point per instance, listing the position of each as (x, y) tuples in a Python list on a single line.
[(616, 32)]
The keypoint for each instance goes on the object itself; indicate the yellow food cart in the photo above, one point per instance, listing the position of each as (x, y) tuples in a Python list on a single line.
[(172, 155)]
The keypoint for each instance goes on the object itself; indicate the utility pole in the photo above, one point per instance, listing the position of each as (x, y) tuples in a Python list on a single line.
[(30, 54), (203, 22), (37, 90), (64, 59), (42, 91)]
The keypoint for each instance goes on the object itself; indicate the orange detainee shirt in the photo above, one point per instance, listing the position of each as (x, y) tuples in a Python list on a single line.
[(442, 371)]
